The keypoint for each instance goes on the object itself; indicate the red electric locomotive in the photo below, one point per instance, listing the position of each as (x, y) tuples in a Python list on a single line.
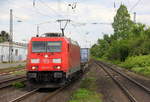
[(52, 60)]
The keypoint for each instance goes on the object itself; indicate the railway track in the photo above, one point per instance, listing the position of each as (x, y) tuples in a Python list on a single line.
[(30, 96), (8, 82), (47, 97), (10, 72), (44, 99), (113, 74), (20, 98), (50, 95)]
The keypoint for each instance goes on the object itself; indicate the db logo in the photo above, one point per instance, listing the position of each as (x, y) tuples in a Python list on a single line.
[(46, 61)]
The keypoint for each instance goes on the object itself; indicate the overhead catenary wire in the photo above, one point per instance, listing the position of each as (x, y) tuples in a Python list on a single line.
[(136, 4), (91, 23), (40, 13), (46, 5), (83, 33), (57, 12), (35, 10)]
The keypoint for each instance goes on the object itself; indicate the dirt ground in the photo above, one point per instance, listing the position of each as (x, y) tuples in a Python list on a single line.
[(110, 91)]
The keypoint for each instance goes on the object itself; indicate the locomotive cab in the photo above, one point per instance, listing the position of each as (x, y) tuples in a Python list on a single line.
[(49, 60)]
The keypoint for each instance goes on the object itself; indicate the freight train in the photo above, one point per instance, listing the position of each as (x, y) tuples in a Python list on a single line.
[(52, 60)]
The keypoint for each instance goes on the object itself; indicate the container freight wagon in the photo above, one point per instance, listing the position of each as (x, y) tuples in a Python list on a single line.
[(52, 60), (85, 56)]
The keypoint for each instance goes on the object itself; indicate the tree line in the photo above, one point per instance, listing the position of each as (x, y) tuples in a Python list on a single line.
[(129, 39)]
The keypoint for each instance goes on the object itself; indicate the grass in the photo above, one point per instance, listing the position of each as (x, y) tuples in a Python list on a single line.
[(12, 68), (137, 61), (18, 84), (138, 64), (88, 83), (142, 70), (84, 95), (87, 92), (105, 60), (19, 73)]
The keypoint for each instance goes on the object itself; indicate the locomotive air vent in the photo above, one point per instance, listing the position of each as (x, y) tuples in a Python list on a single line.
[(52, 35)]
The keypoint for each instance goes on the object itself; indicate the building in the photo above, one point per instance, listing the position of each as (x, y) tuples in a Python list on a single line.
[(19, 52)]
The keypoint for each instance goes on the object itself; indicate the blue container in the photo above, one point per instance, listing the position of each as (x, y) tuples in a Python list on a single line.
[(85, 55)]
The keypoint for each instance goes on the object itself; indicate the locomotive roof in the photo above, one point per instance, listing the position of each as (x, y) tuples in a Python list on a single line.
[(69, 40), (51, 34)]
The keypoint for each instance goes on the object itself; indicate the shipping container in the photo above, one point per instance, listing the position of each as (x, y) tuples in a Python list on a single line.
[(85, 55)]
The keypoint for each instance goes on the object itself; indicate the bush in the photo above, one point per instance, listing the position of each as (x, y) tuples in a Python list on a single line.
[(137, 61), (142, 70), (138, 64)]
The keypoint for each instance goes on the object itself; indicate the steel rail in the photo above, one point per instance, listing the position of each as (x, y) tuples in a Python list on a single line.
[(7, 83), (11, 79), (129, 78), (24, 96), (126, 92), (46, 98), (10, 72)]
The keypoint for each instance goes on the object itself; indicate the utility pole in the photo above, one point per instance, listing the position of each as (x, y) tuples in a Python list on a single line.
[(62, 28), (11, 37), (134, 17), (37, 30)]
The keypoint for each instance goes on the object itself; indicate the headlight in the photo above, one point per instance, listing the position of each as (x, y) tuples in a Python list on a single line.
[(57, 67), (34, 67), (58, 60), (35, 60)]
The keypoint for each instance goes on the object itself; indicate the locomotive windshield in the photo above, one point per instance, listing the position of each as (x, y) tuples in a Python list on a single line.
[(50, 46), (54, 46), (38, 46)]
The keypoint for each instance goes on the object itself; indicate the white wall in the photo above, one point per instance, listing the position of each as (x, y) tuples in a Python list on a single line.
[(19, 56)]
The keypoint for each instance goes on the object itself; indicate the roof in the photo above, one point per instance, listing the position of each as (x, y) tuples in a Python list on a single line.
[(14, 44)]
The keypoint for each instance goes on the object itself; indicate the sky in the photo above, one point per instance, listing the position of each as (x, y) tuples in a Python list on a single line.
[(45, 13)]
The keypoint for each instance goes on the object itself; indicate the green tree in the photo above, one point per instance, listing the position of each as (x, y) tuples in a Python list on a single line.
[(147, 32), (107, 38), (138, 30), (119, 50), (122, 24), (4, 36), (95, 50), (103, 46), (129, 39)]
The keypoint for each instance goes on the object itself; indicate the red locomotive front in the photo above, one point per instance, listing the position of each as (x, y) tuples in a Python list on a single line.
[(52, 59)]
